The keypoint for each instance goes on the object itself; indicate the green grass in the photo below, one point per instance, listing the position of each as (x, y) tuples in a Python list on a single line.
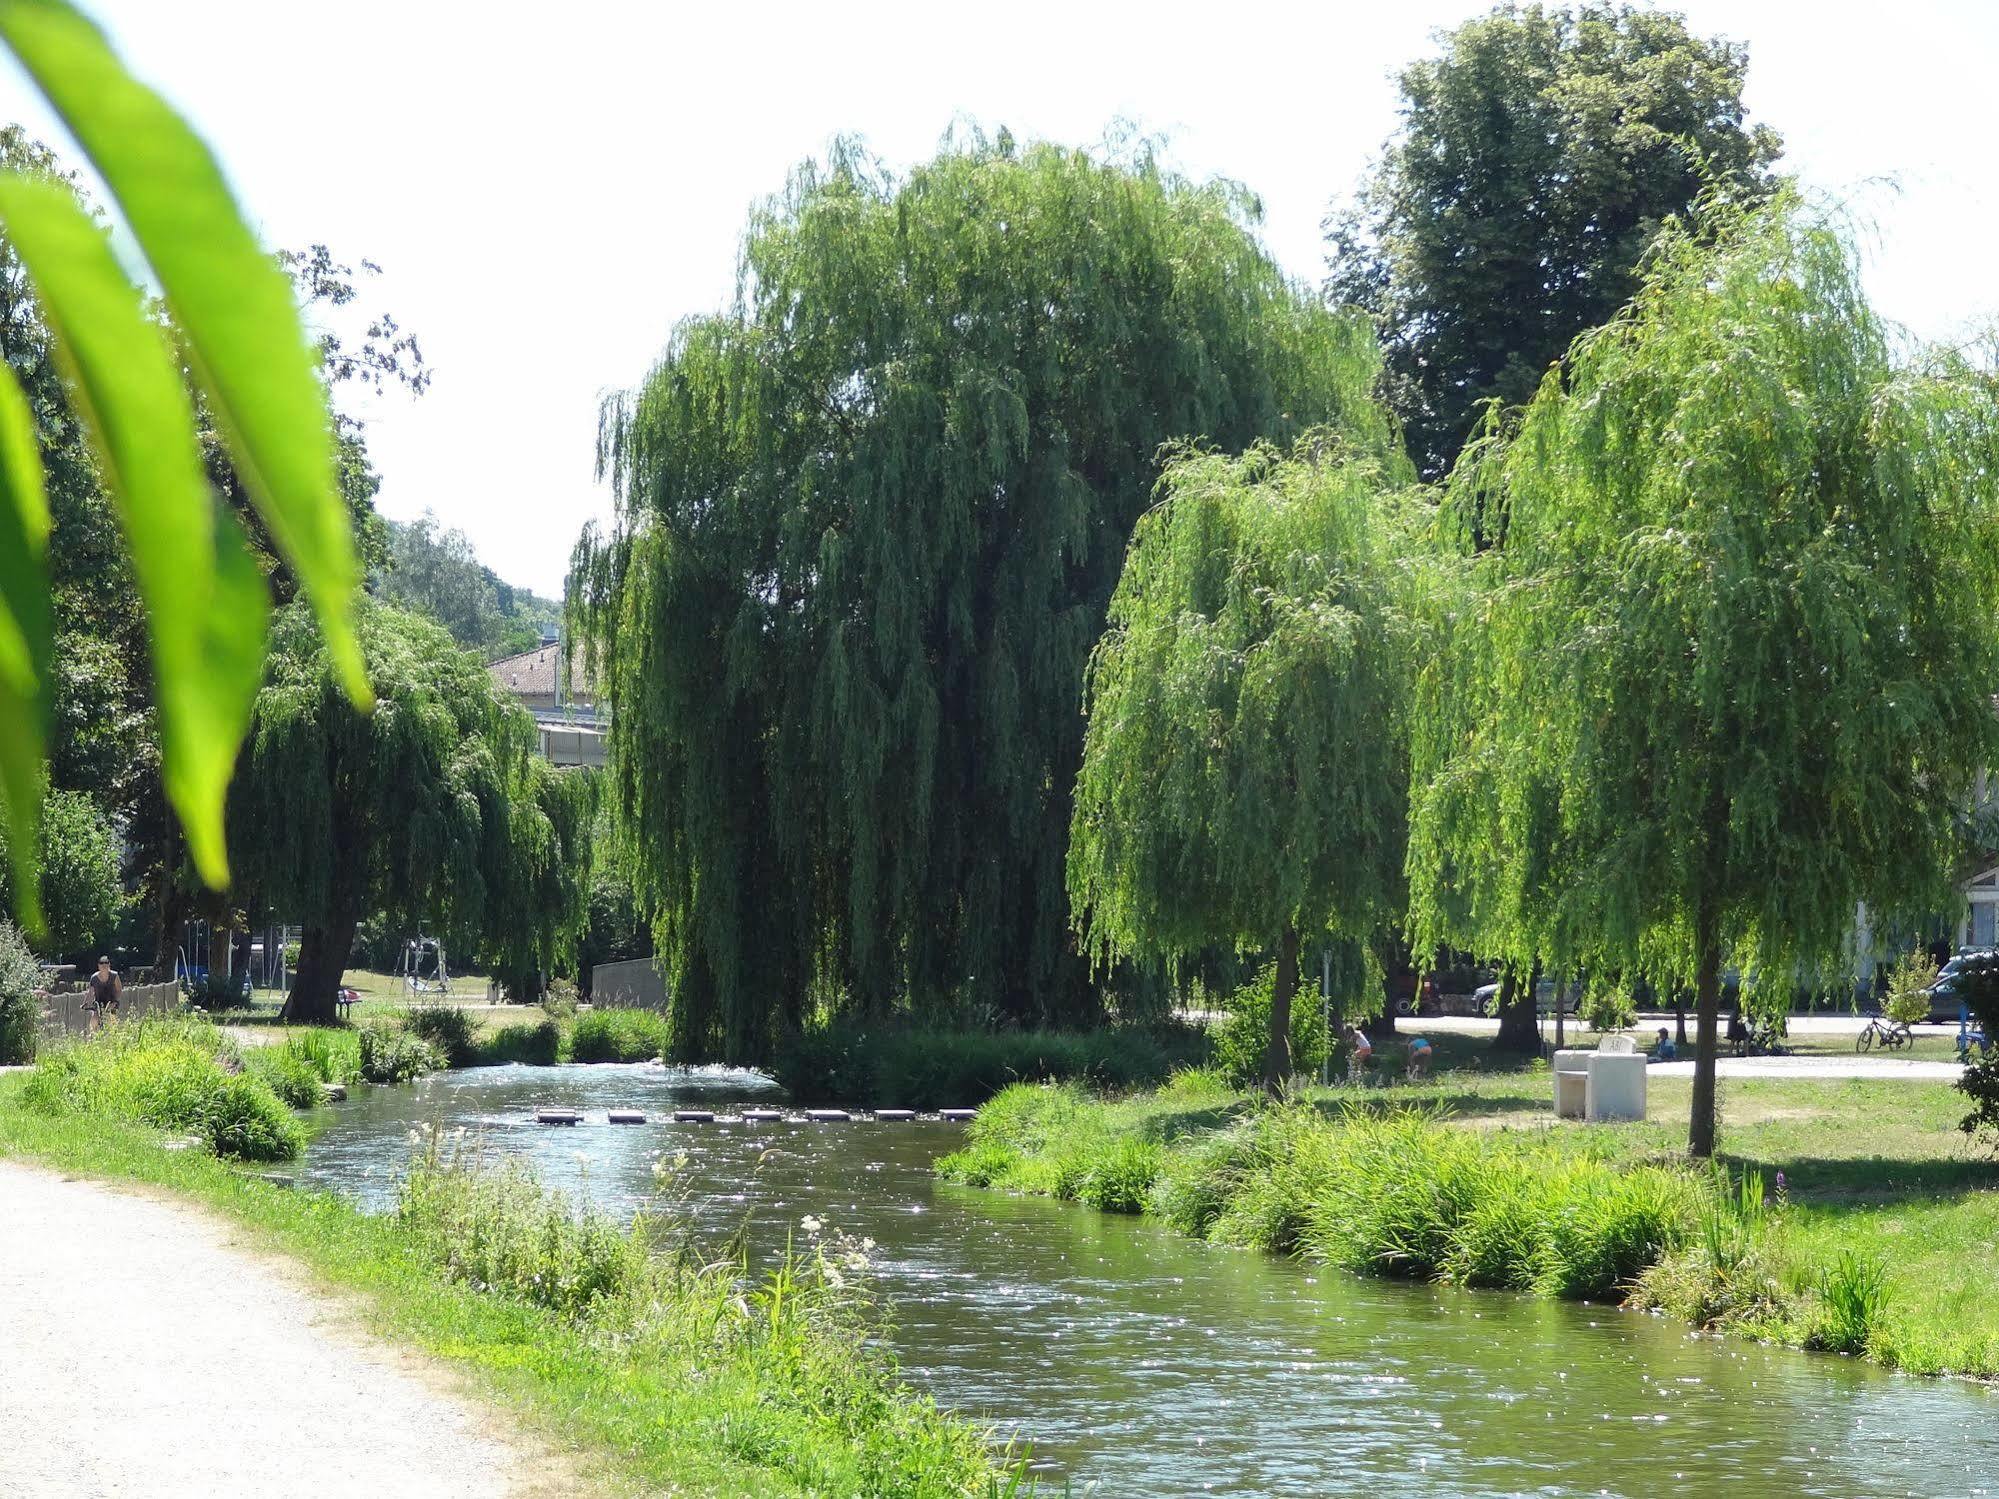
[(1883, 1241), (671, 1376)]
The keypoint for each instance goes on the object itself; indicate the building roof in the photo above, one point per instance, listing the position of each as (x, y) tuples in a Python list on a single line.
[(533, 673)]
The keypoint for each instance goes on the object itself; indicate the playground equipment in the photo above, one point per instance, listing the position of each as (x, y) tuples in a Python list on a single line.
[(424, 970)]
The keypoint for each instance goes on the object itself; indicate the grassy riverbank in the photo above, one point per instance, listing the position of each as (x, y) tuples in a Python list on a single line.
[(1880, 1242), (660, 1369)]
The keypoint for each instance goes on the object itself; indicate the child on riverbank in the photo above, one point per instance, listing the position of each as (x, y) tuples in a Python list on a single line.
[(1420, 1056), (1359, 1050)]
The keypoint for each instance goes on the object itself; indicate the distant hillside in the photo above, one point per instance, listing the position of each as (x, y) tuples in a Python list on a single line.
[(437, 572)]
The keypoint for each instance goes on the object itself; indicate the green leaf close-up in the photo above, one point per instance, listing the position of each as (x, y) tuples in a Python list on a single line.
[(25, 636), (230, 301), (206, 640)]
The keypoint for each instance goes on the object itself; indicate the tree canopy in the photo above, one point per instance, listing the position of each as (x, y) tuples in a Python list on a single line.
[(78, 860), (1538, 155), (868, 522), (436, 571), (1245, 775), (434, 809), (1727, 672)]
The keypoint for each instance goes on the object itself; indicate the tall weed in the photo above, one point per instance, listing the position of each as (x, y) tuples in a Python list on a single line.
[(1853, 1292)]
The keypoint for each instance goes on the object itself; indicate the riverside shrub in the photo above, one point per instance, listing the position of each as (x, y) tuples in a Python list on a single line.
[(332, 1052), (175, 1074), (391, 1054), (618, 1036), (20, 1006), (286, 1073), (448, 1029), (537, 1043)]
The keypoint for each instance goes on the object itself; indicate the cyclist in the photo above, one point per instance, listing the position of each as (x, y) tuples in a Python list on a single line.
[(105, 987)]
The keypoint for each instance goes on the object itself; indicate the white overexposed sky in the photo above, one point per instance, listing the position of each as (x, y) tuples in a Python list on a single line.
[(549, 189)]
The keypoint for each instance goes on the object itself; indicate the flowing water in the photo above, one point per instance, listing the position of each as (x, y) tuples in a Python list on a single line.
[(1154, 1365)]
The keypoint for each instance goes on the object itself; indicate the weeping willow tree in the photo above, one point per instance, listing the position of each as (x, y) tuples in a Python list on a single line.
[(1245, 773), (867, 524), (1729, 673), (435, 809)]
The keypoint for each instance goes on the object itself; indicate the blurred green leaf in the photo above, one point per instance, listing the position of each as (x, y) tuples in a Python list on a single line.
[(230, 301), (207, 628), (25, 641)]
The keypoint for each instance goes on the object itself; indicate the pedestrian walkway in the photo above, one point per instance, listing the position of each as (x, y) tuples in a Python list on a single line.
[(147, 1356)]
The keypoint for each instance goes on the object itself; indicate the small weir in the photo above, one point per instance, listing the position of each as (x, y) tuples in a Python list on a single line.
[(1155, 1365)]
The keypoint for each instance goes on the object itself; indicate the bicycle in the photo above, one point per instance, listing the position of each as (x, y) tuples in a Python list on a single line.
[(1969, 1041), (99, 1011), (1889, 1035)]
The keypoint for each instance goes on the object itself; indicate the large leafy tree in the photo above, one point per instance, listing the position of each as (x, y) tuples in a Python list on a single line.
[(1727, 673), (435, 809), (1537, 156), (1245, 778), (78, 860), (868, 523)]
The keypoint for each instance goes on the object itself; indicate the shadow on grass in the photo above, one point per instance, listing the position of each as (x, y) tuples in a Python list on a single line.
[(1873, 1179), (1392, 1100)]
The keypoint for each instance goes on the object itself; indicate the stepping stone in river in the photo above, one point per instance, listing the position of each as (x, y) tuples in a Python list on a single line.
[(956, 1116), (693, 1116), (763, 1116), (828, 1116), (558, 1116), (625, 1116), (894, 1116)]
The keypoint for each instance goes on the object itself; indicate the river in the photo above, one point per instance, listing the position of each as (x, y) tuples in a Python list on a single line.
[(1123, 1353)]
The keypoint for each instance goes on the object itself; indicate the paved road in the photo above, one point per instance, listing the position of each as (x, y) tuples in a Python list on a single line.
[(143, 1355)]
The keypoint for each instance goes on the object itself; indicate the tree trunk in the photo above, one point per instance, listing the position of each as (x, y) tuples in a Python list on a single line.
[(323, 951), (1680, 1016), (1277, 1056), (1707, 1007), (1519, 1025)]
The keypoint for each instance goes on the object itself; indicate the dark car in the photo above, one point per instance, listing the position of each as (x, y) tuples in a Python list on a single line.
[(1945, 1001)]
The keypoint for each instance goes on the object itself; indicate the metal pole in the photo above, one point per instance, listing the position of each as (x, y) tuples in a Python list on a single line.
[(1326, 1014)]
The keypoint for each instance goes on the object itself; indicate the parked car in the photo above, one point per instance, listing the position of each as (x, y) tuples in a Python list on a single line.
[(1945, 1001), (1487, 995)]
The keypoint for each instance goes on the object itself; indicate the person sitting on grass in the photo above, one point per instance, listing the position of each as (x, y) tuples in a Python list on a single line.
[(1359, 1051), (1420, 1057), (1665, 1051)]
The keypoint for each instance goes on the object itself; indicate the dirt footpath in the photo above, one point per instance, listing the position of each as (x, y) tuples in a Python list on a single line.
[(144, 1354)]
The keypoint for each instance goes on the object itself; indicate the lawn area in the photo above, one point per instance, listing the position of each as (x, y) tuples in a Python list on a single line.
[(1875, 1170), (386, 994)]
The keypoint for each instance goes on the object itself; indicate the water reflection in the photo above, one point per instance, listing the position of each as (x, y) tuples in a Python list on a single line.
[(1157, 1366)]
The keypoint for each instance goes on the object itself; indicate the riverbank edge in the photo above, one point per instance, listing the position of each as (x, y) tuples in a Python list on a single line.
[(1111, 1154), (526, 1363)]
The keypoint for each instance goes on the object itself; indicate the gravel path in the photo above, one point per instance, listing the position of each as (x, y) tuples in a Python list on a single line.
[(144, 1355)]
